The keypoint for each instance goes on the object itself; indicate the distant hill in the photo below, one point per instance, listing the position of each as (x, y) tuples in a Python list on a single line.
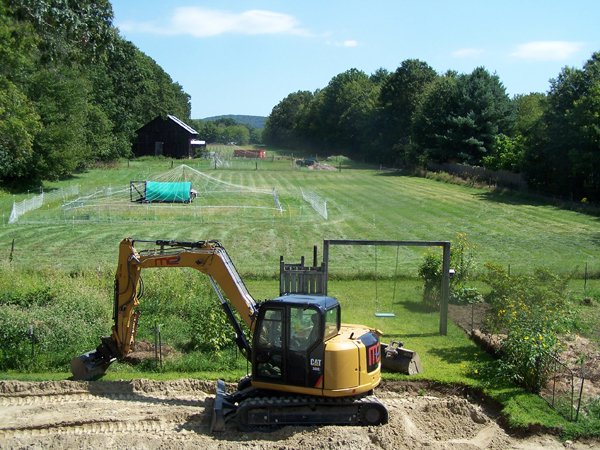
[(253, 121)]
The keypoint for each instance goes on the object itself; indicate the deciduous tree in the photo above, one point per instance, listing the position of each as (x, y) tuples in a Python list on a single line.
[(19, 124), (399, 98)]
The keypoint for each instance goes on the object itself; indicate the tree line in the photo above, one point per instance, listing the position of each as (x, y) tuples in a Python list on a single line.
[(72, 91), (225, 130), (414, 115)]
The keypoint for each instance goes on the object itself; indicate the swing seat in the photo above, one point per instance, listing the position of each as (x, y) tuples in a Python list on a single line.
[(382, 314)]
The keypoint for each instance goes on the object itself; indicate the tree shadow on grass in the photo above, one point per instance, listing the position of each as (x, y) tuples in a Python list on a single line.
[(456, 355), (400, 336), (416, 307), (396, 173), (33, 186), (515, 198), (532, 199)]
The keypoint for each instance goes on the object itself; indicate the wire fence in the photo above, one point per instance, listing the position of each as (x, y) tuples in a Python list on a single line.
[(38, 201), (277, 202), (570, 387), (564, 392), (317, 203)]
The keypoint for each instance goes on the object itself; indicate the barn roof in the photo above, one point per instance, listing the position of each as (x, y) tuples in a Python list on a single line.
[(182, 124)]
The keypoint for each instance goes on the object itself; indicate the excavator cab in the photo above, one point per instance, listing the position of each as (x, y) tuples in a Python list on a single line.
[(289, 339)]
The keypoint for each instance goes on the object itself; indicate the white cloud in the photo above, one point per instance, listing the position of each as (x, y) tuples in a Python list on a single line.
[(202, 22), (467, 53), (547, 50), (348, 43)]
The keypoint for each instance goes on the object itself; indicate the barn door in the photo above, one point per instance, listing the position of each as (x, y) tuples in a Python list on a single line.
[(158, 148)]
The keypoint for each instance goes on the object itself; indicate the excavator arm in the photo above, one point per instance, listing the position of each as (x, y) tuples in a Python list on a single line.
[(208, 257)]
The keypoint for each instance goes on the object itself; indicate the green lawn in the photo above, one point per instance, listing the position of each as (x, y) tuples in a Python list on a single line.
[(362, 204), (71, 261)]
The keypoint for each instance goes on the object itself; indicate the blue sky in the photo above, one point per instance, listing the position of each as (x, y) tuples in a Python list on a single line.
[(243, 57)]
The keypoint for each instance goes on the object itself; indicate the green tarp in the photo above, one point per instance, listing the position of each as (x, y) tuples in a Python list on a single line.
[(163, 191)]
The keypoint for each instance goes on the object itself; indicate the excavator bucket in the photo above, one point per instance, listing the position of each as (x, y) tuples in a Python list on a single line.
[(89, 366), (396, 358), (217, 422)]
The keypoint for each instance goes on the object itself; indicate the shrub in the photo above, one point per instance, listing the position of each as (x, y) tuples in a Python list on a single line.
[(532, 310), (466, 296), (185, 303), (60, 315), (430, 270), (210, 329)]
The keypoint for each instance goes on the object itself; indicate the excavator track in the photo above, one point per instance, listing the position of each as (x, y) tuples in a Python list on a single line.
[(268, 412), (254, 410)]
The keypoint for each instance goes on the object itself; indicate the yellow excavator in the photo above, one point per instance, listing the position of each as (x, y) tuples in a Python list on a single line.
[(307, 367)]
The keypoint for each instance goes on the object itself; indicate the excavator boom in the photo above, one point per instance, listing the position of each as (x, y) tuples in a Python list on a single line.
[(208, 257)]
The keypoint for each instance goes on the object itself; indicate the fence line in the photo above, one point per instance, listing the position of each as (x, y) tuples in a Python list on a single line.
[(565, 392), (318, 204), (25, 206), (37, 201), (277, 203)]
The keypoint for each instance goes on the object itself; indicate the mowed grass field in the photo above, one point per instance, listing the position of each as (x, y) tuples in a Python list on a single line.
[(361, 203), (72, 260)]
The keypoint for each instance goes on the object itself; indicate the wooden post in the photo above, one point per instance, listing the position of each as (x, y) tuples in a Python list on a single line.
[(445, 289), (12, 250), (325, 265), (32, 339), (159, 347), (155, 342)]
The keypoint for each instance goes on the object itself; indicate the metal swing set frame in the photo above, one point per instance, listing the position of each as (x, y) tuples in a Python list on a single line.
[(445, 288)]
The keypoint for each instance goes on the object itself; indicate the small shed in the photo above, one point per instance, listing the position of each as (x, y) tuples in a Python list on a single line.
[(167, 136), (198, 147)]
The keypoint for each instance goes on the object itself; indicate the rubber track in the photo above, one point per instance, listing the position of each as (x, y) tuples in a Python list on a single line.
[(295, 401)]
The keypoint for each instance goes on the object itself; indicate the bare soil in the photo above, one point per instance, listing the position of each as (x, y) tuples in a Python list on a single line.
[(143, 414)]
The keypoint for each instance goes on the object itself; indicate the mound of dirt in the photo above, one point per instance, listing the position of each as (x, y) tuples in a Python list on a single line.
[(144, 350), (176, 414)]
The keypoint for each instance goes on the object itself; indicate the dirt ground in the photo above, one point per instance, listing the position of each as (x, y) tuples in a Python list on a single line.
[(144, 414)]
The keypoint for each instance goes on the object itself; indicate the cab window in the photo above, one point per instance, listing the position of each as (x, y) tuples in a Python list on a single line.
[(270, 333), (332, 322), (305, 328)]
